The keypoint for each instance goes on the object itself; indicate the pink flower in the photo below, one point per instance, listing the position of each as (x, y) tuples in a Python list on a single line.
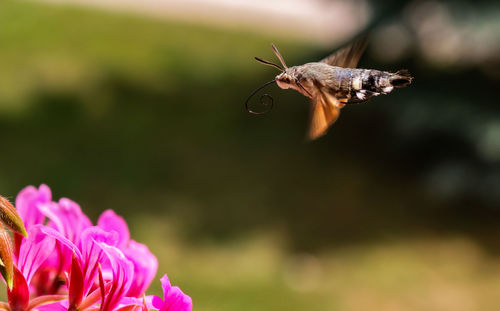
[(144, 262), (80, 266), (173, 298), (28, 202)]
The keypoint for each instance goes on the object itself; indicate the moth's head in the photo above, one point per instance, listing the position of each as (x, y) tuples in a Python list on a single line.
[(285, 80)]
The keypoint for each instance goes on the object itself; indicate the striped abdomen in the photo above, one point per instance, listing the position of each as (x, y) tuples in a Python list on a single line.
[(361, 84)]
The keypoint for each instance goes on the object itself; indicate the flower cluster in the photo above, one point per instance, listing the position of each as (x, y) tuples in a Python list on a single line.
[(60, 261)]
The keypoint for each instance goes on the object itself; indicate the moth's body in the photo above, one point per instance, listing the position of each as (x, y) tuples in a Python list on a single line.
[(348, 85), (334, 82)]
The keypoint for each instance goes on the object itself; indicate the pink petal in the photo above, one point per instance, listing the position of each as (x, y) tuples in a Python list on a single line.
[(67, 217), (129, 308), (65, 250), (130, 303), (56, 306), (157, 302), (174, 298), (34, 251), (110, 221), (27, 202), (145, 267), (65, 242), (147, 301), (92, 253), (123, 273), (165, 285)]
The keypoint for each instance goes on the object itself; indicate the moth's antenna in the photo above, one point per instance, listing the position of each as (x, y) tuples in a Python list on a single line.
[(262, 98), (279, 55), (265, 62)]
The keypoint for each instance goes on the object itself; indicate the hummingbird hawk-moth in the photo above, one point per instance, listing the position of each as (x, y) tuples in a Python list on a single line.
[(335, 82)]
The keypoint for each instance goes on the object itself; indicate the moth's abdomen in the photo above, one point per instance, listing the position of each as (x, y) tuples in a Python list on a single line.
[(367, 83), (401, 78), (376, 81)]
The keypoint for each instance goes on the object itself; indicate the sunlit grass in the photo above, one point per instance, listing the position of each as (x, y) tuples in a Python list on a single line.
[(257, 272)]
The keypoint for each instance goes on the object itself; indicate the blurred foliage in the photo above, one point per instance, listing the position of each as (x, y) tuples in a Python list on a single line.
[(147, 117), (121, 111), (256, 272)]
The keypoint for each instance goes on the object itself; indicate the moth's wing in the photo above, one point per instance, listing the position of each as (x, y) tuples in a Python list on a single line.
[(325, 110), (349, 56)]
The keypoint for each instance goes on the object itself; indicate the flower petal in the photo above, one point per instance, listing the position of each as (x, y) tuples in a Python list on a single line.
[(130, 303), (145, 267), (45, 300), (177, 300), (110, 221), (56, 306), (67, 217), (65, 249), (123, 273), (62, 240), (157, 302), (95, 296), (174, 298), (27, 202), (92, 253), (34, 251)]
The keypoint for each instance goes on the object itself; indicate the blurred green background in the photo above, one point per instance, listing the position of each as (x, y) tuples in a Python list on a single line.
[(397, 208)]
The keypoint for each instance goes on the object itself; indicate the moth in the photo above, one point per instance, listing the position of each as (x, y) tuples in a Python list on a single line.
[(335, 82)]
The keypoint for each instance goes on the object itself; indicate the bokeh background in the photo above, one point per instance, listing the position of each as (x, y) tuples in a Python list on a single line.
[(138, 106)]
